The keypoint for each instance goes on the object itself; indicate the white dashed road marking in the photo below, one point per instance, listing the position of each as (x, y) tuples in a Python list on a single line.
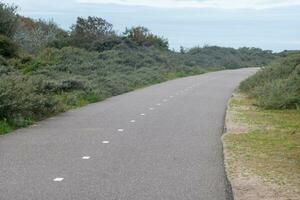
[(105, 142), (132, 121), (142, 114), (86, 157), (58, 179), (120, 130)]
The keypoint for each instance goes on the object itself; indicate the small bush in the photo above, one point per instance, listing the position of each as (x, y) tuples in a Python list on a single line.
[(8, 48), (20, 98), (5, 70), (4, 127), (280, 94), (3, 60)]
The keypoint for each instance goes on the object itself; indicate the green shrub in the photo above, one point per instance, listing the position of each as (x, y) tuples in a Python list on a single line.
[(5, 70), (4, 127), (35, 35), (280, 94), (3, 60), (278, 85), (88, 30), (20, 98), (8, 19), (8, 48)]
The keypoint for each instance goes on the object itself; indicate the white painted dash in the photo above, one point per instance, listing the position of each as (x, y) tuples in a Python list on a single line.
[(58, 179), (86, 157), (105, 142)]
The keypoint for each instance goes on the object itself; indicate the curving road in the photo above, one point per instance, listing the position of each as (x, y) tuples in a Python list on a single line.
[(159, 143)]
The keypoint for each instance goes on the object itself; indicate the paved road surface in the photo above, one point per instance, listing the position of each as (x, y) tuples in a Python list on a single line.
[(158, 143)]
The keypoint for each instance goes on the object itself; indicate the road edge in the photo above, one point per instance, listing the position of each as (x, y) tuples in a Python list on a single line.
[(228, 184)]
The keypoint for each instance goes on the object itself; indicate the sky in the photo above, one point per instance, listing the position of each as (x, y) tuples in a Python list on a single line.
[(267, 24)]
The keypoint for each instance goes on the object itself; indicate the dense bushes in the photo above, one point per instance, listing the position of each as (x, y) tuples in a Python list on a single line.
[(7, 47), (278, 85), (45, 70), (213, 56), (86, 33), (8, 20), (21, 99), (33, 35), (143, 37), (54, 80)]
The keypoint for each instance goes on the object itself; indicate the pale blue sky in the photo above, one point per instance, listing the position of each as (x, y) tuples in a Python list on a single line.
[(268, 24)]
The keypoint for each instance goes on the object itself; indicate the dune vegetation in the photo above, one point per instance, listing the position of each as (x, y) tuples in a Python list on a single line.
[(263, 132), (277, 86), (45, 69)]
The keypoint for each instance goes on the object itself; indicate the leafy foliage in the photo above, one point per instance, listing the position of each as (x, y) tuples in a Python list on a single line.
[(36, 35), (8, 48), (8, 20), (278, 85), (21, 98), (230, 58), (143, 37), (50, 70), (86, 32)]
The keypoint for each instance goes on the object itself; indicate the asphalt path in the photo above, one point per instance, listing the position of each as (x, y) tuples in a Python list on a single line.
[(162, 142)]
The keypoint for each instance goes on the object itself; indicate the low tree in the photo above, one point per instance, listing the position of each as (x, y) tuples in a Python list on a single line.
[(35, 35), (143, 37), (137, 34), (88, 31)]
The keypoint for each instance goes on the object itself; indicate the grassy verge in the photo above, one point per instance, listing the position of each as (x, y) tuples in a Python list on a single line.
[(262, 150)]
